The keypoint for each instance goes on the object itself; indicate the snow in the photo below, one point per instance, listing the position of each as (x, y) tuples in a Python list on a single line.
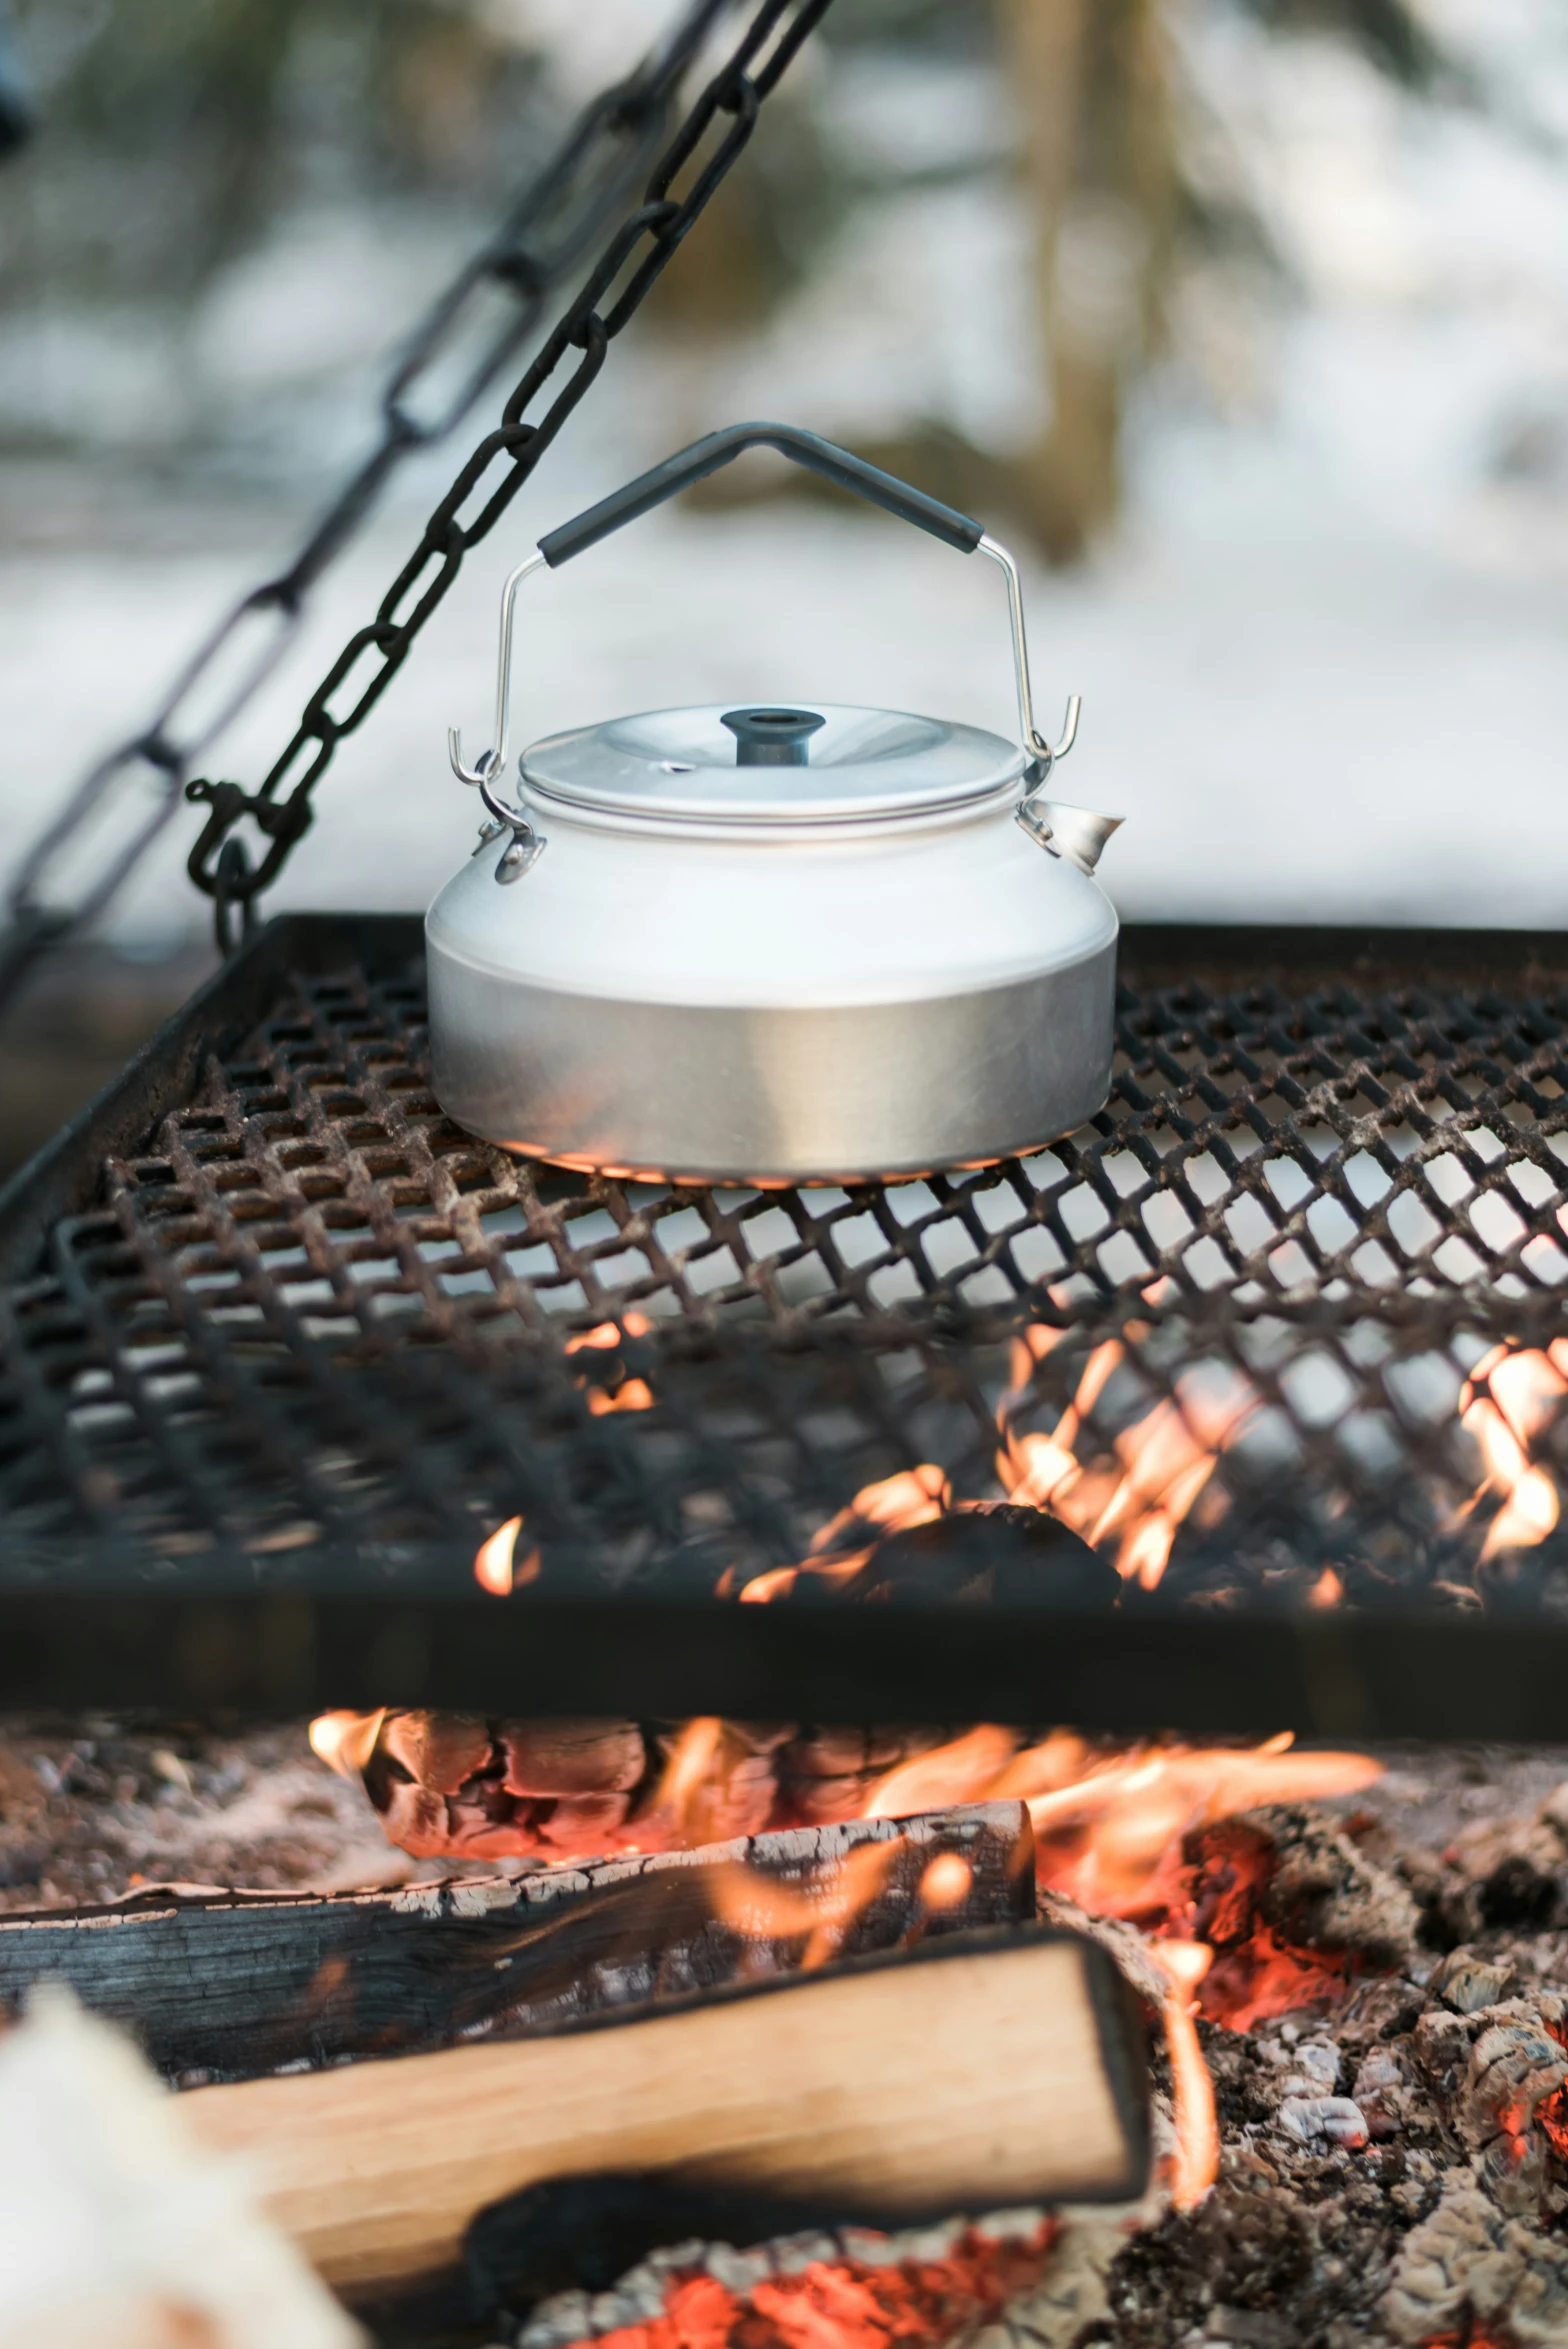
[(1322, 659)]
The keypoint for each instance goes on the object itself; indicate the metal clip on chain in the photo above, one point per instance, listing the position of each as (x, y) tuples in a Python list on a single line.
[(232, 874)]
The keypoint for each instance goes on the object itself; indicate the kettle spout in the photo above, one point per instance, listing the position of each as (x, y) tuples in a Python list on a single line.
[(1074, 832)]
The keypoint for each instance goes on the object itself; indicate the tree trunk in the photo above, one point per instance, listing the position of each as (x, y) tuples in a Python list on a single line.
[(1091, 79)]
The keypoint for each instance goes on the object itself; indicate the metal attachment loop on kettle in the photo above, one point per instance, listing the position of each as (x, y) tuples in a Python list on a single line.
[(694, 464)]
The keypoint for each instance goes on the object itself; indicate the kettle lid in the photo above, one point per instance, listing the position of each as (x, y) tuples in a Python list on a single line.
[(771, 764)]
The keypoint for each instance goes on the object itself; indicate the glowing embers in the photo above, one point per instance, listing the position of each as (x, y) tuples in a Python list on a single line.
[(903, 2294)]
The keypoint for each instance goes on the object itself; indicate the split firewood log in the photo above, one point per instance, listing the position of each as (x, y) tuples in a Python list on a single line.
[(973, 2073)]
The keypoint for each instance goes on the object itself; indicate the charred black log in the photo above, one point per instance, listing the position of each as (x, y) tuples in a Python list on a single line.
[(228, 1986)]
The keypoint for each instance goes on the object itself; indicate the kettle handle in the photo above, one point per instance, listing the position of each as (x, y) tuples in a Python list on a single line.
[(705, 456)]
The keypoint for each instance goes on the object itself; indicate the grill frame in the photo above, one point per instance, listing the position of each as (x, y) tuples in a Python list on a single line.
[(193, 1638)]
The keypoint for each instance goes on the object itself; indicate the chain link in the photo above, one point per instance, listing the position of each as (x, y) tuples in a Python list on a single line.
[(564, 214)]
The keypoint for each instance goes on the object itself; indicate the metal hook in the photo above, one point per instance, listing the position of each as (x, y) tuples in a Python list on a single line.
[(492, 763), (1034, 741)]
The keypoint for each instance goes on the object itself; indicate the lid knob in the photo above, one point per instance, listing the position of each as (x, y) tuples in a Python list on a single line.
[(771, 738)]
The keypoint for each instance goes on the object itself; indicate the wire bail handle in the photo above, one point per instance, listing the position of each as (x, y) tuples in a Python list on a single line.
[(691, 464)]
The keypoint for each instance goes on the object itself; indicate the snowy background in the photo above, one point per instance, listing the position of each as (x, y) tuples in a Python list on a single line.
[(1323, 645)]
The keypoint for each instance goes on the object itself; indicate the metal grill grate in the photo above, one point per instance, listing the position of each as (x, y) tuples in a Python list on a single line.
[(309, 1328), (279, 1345)]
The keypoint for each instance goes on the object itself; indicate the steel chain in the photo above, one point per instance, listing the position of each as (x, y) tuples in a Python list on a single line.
[(560, 216)]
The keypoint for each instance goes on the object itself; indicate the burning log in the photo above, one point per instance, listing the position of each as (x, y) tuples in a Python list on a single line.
[(1108, 1819), (446, 1785), (1026, 2085), (229, 1985)]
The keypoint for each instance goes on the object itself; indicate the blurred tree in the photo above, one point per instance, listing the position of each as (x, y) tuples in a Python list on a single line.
[(1390, 32), (178, 132), (757, 244), (1092, 82), (177, 129), (16, 106)]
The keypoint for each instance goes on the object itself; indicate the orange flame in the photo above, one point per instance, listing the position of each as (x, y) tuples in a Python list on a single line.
[(763, 1909), (1166, 1461), (346, 1741), (965, 1771), (1167, 1456), (1109, 1827), (629, 1394), (1508, 1399), (497, 1568), (1112, 1840), (1197, 2158), (946, 1882), (915, 1496), (686, 1772)]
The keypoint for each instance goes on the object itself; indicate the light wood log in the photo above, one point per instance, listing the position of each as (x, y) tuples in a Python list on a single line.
[(968, 2074)]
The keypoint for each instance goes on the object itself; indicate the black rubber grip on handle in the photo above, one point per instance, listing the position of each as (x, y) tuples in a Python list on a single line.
[(805, 448)]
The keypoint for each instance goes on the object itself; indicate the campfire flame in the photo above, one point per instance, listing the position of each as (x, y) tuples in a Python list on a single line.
[(759, 1907), (946, 1882), (1167, 1456), (1508, 1399), (497, 1567), (916, 1496), (1110, 1833), (628, 1394), (1131, 1501), (962, 1772), (346, 1741), (1111, 1840), (688, 1771), (1197, 2159), (1110, 1824), (1133, 1511)]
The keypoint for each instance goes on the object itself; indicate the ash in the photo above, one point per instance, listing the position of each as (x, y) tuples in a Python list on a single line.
[(1385, 2022), (1394, 2167), (1393, 2152), (93, 1807)]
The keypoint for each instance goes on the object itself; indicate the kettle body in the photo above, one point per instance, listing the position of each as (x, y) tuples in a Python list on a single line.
[(772, 946)]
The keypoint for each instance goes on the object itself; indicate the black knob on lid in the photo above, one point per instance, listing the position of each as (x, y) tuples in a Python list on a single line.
[(771, 738)]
